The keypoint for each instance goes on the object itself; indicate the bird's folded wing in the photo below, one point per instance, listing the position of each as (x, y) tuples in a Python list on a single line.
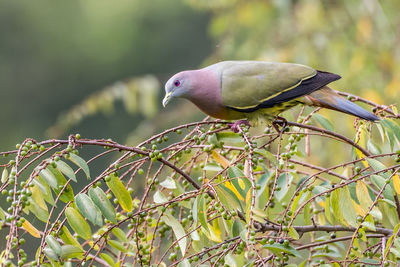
[(248, 86)]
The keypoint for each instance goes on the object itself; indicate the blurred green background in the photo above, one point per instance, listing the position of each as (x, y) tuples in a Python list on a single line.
[(54, 54), (70, 66)]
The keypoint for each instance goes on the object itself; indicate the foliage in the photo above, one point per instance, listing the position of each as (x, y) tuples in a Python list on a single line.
[(212, 197)]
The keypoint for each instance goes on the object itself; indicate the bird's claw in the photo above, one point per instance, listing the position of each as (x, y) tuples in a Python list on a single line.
[(279, 121), (235, 126)]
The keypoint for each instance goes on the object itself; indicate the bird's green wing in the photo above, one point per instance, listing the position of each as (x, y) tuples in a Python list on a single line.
[(247, 84)]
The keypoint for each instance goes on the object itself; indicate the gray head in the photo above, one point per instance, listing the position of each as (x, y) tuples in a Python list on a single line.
[(178, 85)]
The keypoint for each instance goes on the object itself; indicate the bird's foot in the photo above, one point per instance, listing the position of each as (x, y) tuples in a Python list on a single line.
[(235, 126), (279, 121)]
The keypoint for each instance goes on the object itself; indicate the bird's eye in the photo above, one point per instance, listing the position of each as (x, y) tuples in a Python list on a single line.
[(177, 83)]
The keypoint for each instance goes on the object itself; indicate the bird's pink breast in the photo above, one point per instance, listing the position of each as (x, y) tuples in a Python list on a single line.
[(206, 93)]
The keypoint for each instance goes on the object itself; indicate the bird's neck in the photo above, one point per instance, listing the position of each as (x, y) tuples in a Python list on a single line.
[(206, 93)]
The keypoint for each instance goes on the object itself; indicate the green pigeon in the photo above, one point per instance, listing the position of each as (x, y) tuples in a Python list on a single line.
[(258, 91)]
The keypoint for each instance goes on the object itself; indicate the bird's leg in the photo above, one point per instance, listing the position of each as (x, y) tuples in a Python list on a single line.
[(235, 126), (279, 121)]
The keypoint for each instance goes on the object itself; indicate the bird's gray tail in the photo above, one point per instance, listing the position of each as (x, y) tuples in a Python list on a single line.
[(328, 98)]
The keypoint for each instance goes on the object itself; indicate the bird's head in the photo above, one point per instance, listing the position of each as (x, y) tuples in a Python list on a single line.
[(177, 86)]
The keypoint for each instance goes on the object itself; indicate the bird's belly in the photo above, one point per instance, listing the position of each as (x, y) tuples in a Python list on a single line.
[(267, 115)]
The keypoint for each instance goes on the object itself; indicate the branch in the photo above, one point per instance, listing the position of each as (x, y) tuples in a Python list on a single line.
[(316, 244), (325, 228), (339, 136)]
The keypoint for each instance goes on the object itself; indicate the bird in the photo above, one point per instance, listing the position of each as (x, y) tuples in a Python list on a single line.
[(251, 92)]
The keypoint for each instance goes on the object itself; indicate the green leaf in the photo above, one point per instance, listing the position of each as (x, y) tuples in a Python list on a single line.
[(117, 245), (50, 254), (78, 223), (259, 214), (45, 189), (392, 126), (373, 148), (235, 172), (81, 163), (53, 244), (388, 213), (369, 223), (68, 238), (121, 235), (327, 208), (396, 248), (37, 197), (380, 182), (202, 213), (228, 198), (214, 167), (230, 260), (335, 204), (381, 131), (178, 191), (324, 122), (178, 231), (168, 183), (100, 199), (88, 209), (376, 165), (278, 249), (66, 169), (293, 233), (364, 198), (212, 139), (195, 235), (391, 138), (268, 155), (120, 192), (69, 252), (347, 208), (239, 181), (237, 228), (4, 175), (49, 177), (389, 241), (39, 212), (307, 213), (68, 193), (229, 137), (300, 199), (262, 182), (184, 263), (2, 214), (107, 258), (195, 209), (242, 186), (159, 197), (284, 182)]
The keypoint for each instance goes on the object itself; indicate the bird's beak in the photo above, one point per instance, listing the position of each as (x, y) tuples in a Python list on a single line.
[(166, 99)]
